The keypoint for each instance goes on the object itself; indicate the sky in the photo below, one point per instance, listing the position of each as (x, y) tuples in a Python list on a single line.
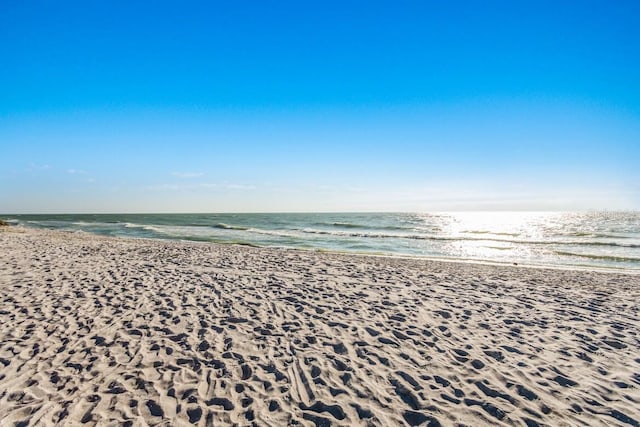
[(238, 106)]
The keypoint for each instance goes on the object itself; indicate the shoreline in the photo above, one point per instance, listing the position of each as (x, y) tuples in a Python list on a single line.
[(562, 267), (562, 239), (102, 330)]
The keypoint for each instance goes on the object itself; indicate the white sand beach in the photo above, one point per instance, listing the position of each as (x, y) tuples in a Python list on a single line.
[(108, 331)]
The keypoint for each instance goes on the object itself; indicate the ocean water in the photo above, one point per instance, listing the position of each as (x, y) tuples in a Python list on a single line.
[(571, 239)]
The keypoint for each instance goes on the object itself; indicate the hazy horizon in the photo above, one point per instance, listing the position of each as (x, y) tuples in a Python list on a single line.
[(434, 212), (294, 107)]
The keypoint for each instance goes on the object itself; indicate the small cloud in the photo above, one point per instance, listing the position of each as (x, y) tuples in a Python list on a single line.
[(76, 171), (163, 187), (356, 189), (333, 188), (196, 186), (187, 175), (239, 187), (228, 186), (37, 167)]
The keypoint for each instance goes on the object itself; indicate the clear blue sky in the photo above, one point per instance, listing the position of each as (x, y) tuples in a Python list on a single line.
[(131, 106)]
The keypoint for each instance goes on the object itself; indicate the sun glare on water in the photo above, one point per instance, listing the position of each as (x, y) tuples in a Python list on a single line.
[(495, 235)]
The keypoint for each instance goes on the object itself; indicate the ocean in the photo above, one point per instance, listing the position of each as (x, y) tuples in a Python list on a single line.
[(599, 240)]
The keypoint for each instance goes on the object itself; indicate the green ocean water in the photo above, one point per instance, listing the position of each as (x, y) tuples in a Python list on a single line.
[(569, 239)]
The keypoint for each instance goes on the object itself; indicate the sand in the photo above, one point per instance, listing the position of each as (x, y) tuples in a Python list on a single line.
[(107, 331)]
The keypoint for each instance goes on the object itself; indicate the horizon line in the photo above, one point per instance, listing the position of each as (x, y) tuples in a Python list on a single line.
[(332, 212)]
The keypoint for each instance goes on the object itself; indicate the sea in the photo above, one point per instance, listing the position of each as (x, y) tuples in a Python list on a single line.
[(593, 240)]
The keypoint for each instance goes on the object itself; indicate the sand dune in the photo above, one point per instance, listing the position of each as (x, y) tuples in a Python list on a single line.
[(105, 331)]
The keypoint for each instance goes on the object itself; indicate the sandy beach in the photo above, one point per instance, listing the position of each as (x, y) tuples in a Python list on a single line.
[(107, 331)]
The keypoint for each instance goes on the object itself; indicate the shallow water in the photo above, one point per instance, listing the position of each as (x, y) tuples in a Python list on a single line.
[(588, 239)]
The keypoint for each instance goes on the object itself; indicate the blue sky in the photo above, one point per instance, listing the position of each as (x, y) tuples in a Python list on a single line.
[(319, 106)]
